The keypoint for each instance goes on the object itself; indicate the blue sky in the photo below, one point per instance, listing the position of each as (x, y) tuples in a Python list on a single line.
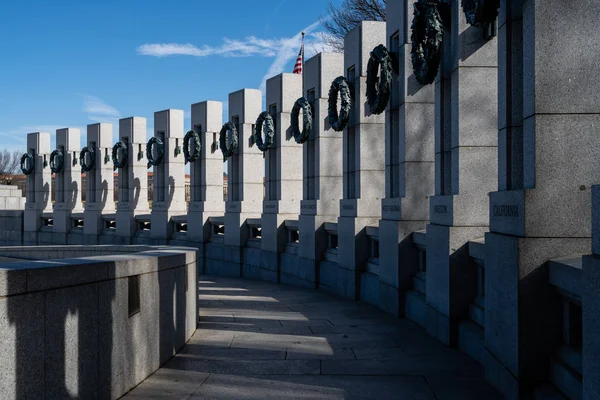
[(74, 63)]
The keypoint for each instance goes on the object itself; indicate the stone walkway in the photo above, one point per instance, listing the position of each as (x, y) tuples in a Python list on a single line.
[(261, 340)]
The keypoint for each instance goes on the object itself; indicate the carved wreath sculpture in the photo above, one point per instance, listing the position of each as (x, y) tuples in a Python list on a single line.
[(480, 12), (87, 167), (228, 151), (338, 122), (57, 161), (115, 155), (427, 36), (160, 151), (379, 95), (31, 161), (264, 119), (301, 136), (193, 156)]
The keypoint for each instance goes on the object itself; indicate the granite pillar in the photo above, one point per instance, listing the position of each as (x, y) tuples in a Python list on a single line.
[(283, 174), (590, 302), (245, 186), (206, 173), (549, 128), (410, 165), (323, 170), (68, 184), (465, 168), (168, 176), (39, 186), (99, 198), (363, 165), (132, 179)]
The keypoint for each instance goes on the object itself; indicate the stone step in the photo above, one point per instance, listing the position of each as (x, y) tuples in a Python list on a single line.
[(471, 340), (419, 284), (567, 380), (548, 392), (416, 307), (477, 314)]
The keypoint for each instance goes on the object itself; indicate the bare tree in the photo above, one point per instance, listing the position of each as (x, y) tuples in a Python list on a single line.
[(342, 18), (9, 165)]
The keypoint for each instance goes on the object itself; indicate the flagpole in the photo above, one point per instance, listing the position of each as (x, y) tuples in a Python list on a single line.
[(303, 94)]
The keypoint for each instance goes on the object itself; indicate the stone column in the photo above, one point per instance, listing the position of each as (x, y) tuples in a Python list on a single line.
[(99, 198), (68, 184), (245, 191), (39, 186), (132, 179), (206, 173), (364, 166), (283, 174), (410, 165), (323, 173), (169, 175), (465, 167), (549, 130), (590, 302)]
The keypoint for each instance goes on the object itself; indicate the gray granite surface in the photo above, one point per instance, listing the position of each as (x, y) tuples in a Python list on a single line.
[(259, 340)]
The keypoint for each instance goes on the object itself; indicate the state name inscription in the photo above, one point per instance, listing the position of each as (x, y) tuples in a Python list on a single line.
[(440, 209), (391, 208), (505, 210)]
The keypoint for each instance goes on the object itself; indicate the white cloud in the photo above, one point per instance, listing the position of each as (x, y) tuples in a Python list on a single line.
[(283, 49), (251, 46), (98, 110), (289, 48)]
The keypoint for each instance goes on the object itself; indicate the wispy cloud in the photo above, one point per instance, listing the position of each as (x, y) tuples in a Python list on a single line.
[(98, 110), (251, 46), (283, 50), (288, 51)]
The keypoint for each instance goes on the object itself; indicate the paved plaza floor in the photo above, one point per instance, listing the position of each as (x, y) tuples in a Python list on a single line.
[(259, 340)]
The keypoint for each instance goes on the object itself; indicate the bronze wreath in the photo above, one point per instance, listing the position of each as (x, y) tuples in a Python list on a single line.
[(378, 97), (186, 146), (160, 149), (427, 36), (301, 136), (480, 12), (87, 167), (338, 122), (228, 151), (115, 155), (264, 119), (54, 166), (27, 157)]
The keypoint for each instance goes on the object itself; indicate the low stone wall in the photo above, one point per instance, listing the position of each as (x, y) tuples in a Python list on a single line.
[(11, 198), (71, 251), (93, 327), (11, 227)]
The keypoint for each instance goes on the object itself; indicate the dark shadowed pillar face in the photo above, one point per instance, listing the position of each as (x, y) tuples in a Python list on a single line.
[(410, 163), (363, 162), (323, 167), (465, 169), (548, 127)]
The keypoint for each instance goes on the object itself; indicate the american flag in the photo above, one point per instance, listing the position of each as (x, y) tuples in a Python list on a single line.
[(300, 59)]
